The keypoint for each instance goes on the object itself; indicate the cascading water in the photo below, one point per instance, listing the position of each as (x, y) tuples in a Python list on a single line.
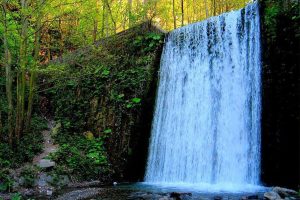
[(206, 125)]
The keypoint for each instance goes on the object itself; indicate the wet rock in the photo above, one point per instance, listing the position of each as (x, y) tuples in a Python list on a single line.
[(180, 196), (272, 196), (45, 191), (28, 193), (291, 198), (148, 196), (253, 197), (5, 196), (175, 195), (43, 180), (81, 194), (284, 192), (49, 192), (45, 163), (165, 198), (217, 198), (86, 184)]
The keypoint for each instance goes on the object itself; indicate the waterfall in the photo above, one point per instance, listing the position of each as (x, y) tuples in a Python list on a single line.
[(206, 126)]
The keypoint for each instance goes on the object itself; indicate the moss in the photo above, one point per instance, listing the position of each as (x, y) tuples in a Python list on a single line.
[(105, 89)]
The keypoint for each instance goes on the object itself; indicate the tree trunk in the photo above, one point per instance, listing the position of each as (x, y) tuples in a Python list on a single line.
[(8, 75), (130, 13), (111, 16), (182, 13), (213, 7), (21, 82), (32, 82), (174, 15), (95, 31), (206, 9), (103, 19)]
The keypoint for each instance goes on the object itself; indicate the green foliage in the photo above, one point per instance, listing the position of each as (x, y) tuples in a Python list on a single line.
[(29, 146), (29, 174), (99, 92), (16, 196), (149, 42), (81, 158), (276, 10), (6, 181), (119, 80), (270, 20)]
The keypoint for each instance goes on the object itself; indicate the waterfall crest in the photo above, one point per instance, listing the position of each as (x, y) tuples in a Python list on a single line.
[(206, 126)]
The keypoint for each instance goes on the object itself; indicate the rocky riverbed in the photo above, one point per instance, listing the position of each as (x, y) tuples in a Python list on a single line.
[(95, 191)]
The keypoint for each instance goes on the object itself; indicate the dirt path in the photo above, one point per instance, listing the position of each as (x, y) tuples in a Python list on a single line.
[(48, 145)]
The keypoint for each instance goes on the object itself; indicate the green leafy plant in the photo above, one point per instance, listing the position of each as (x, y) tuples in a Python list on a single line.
[(6, 181), (16, 196), (82, 158), (29, 174)]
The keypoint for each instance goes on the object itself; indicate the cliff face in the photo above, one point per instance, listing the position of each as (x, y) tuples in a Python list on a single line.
[(281, 90), (108, 91)]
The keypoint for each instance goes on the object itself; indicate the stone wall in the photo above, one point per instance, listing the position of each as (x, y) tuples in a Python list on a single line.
[(281, 90)]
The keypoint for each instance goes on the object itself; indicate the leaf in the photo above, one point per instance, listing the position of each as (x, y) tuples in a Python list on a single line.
[(156, 37), (3, 187), (136, 100), (92, 155), (107, 131), (129, 105), (120, 96), (106, 72)]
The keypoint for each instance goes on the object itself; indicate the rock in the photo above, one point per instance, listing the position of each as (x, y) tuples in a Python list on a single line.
[(217, 198), (291, 198), (45, 163), (43, 180), (175, 195), (180, 196), (164, 198), (272, 195), (86, 184), (80, 194), (49, 192), (284, 192), (253, 197), (5, 196), (55, 129), (28, 193)]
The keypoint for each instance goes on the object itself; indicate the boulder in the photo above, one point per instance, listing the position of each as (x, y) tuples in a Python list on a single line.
[(253, 197), (272, 195), (81, 194), (46, 163), (43, 180), (284, 192)]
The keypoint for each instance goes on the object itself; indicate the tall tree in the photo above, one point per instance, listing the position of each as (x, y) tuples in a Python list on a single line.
[(206, 9), (32, 81), (8, 72), (21, 81), (182, 12), (174, 14), (130, 13)]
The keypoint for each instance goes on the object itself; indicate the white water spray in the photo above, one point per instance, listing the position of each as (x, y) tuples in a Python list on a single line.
[(206, 127)]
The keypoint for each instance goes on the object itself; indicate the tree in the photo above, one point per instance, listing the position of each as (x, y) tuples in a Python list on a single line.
[(8, 71), (32, 80), (182, 13), (174, 14), (21, 81)]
